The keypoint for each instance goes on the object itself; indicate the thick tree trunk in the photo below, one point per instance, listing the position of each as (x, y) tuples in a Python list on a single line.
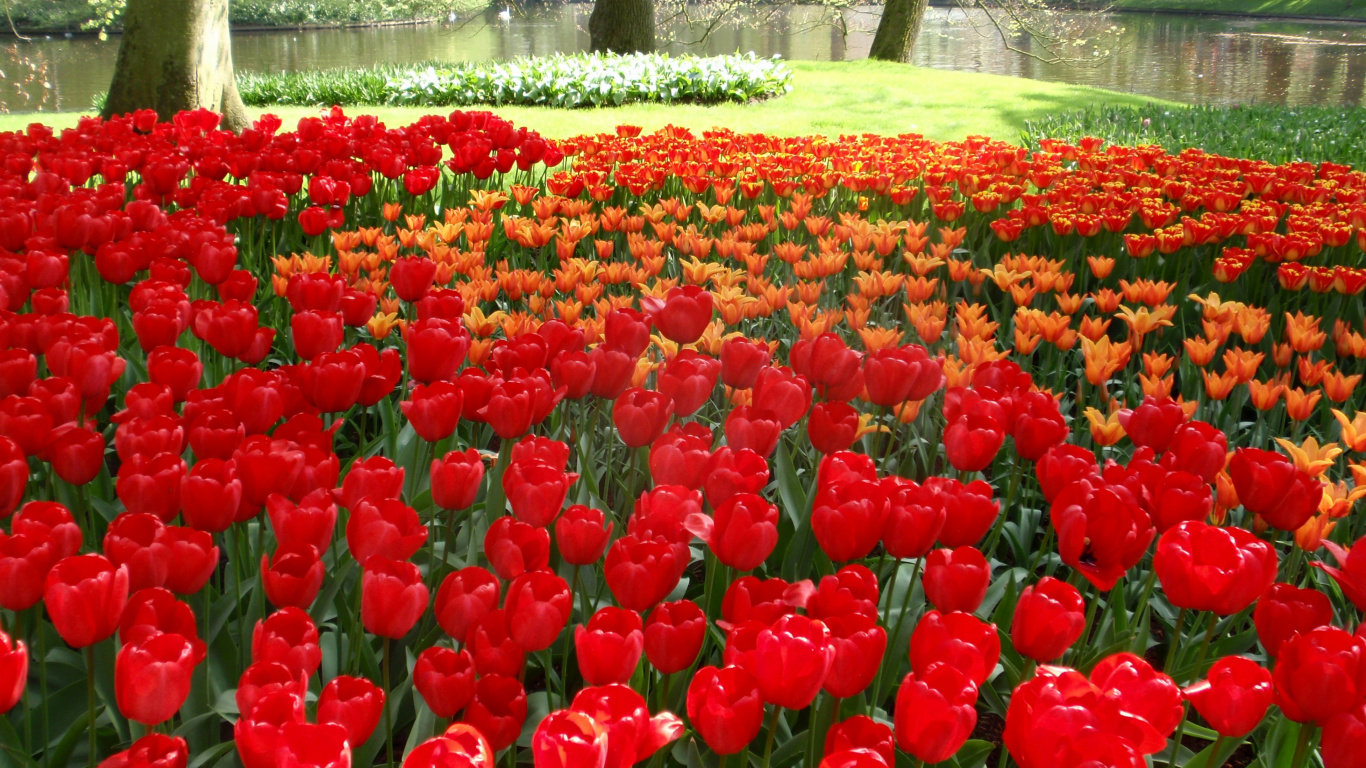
[(622, 26), (898, 29), (176, 55)]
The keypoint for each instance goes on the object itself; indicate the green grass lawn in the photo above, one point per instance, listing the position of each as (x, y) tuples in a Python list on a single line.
[(1345, 9), (827, 98)]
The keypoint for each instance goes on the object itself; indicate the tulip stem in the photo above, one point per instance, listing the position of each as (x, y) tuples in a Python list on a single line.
[(388, 707), (90, 700), (1214, 751), (1204, 645), (773, 730), (1302, 746), (896, 633), (569, 639), (1176, 737), (1175, 641)]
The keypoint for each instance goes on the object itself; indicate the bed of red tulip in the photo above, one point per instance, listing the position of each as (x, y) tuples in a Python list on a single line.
[(449, 445)]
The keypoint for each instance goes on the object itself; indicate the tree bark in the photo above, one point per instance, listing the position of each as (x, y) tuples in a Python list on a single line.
[(897, 29), (622, 26), (176, 55)]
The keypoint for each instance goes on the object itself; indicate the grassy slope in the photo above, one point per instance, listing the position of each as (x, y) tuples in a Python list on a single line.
[(1345, 9), (828, 98)]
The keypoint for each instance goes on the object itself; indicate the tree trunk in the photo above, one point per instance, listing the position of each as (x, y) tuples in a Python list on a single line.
[(622, 26), (897, 29), (176, 55)]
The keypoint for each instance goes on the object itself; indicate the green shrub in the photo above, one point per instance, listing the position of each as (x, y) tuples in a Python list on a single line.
[(1265, 131), (580, 80)]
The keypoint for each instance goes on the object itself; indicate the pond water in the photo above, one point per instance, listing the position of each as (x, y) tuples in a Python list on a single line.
[(1216, 60)]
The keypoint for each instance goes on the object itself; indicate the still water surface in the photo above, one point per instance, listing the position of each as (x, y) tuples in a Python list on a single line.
[(1184, 58)]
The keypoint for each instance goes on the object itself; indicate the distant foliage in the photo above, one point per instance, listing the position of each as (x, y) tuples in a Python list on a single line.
[(107, 14), (581, 80), (1271, 132)]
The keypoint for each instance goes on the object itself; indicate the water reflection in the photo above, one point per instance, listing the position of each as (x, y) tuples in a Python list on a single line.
[(1185, 58)]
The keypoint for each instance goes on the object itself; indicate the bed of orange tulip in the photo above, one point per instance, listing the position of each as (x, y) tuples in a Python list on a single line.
[(450, 445)]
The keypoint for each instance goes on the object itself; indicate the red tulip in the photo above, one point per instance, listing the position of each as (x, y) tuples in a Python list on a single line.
[(828, 363), (733, 471), (935, 712), (433, 410), (1319, 674), (1059, 718), (13, 671), (293, 576), (152, 677), (310, 523), (673, 635), (24, 564), (609, 646), (374, 479), (688, 380), (792, 660), (642, 572), (50, 521), (1049, 617), (1271, 486), (862, 732), (681, 455), (1152, 701), (461, 745), (393, 597), (177, 368), (498, 710), (387, 528), (514, 547), (969, 510), (859, 645), (316, 333), (580, 536), (1198, 448), (847, 518), (259, 734), (895, 375), (1206, 568), (742, 531), (1351, 571), (754, 429), (152, 612), (354, 703), (640, 416), (682, 315), (726, 708), (436, 349), (956, 579), (1285, 610), (632, 734), (832, 426), (333, 381), (536, 491), (972, 441), (852, 589), (155, 750), (13, 476), (135, 541), (1153, 424), (456, 478), (264, 678), (492, 646), (1102, 531), (412, 277), (265, 467), (915, 518), (210, 495), (1234, 697), (324, 745), (85, 596), (464, 598), (76, 454), (289, 637), (538, 606), (445, 679), (569, 739), (741, 361), (962, 640)]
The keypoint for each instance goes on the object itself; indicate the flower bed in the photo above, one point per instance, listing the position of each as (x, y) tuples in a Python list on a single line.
[(447, 444), (580, 80)]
